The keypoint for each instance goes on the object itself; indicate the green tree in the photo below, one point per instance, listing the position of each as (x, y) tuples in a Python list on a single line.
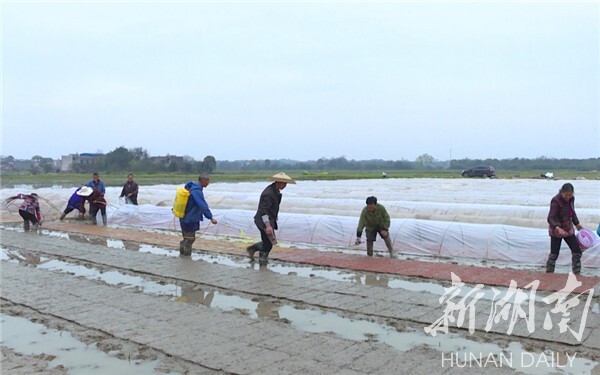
[(138, 153), (118, 160), (41, 164), (210, 164), (424, 161)]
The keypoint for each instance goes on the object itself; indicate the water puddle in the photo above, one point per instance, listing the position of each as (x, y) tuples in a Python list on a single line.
[(24, 336), (460, 347), (307, 320), (362, 278), (221, 301), (5, 256), (115, 244)]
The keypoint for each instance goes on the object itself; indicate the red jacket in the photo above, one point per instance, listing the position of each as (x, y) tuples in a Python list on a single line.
[(96, 199), (562, 214)]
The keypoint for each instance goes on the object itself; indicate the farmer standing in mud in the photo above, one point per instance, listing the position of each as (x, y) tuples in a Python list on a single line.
[(96, 183), (76, 202), (130, 191), (97, 203), (267, 215), (377, 221), (29, 210), (195, 210), (561, 218)]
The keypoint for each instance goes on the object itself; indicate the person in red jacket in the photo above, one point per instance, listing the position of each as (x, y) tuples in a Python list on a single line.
[(561, 219), (97, 203)]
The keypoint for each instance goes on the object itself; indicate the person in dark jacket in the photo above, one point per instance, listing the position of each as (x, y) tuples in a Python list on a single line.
[(76, 202), (130, 191), (561, 219), (195, 210), (97, 203), (267, 215)]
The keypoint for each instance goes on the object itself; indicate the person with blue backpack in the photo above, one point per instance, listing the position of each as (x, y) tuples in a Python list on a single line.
[(195, 211)]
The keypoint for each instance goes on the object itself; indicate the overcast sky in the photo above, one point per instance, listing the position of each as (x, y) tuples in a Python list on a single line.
[(302, 80)]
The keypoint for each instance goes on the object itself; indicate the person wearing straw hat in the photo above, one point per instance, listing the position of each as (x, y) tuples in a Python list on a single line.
[(29, 210), (76, 202), (266, 216), (195, 210)]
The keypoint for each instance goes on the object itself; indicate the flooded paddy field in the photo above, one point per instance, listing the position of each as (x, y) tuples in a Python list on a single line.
[(80, 303)]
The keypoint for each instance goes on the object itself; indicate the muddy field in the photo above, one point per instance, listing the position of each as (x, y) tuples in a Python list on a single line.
[(79, 303)]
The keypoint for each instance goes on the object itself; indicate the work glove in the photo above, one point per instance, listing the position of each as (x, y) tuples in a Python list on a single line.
[(357, 242)]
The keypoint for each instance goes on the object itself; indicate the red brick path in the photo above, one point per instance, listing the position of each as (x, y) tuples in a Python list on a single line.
[(431, 270)]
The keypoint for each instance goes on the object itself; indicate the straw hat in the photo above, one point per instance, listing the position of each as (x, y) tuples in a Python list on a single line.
[(282, 177), (85, 191)]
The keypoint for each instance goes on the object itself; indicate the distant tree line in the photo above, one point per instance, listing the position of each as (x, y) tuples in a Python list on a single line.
[(137, 159), (521, 164), (423, 162)]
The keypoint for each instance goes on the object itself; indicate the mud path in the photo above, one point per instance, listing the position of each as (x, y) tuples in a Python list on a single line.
[(153, 312)]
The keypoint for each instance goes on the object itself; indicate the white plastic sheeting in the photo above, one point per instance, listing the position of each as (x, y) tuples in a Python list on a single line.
[(410, 236), (519, 202), (474, 218)]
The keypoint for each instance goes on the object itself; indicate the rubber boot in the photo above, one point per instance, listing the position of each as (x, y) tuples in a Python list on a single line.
[(263, 257), (26, 226), (187, 249), (188, 241), (252, 249), (34, 228), (576, 259), (370, 248), (390, 247), (551, 263), (181, 248), (62, 216), (94, 222), (104, 220)]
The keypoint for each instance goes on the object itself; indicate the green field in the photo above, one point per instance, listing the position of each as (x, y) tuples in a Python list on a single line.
[(118, 179)]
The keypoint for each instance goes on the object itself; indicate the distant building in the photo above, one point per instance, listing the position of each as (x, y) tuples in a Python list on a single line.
[(88, 160), (68, 162), (83, 162)]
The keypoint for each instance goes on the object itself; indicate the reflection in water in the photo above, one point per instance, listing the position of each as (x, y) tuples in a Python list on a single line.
[(306, 320), (376, 280), (267, 309), (132, 246), (24, 336), (191, 294), (26, 257)]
